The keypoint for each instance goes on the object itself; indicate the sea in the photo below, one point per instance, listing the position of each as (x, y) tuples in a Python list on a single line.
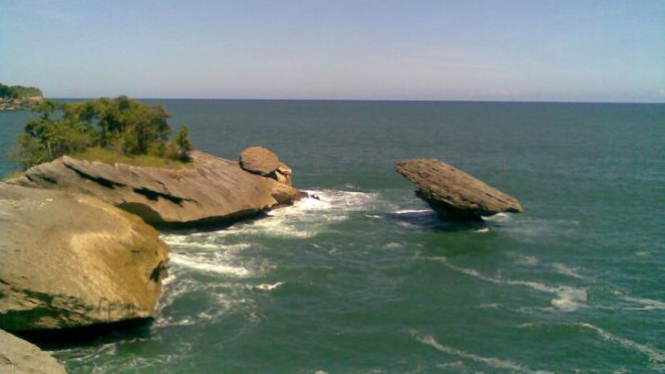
[(369, 280)]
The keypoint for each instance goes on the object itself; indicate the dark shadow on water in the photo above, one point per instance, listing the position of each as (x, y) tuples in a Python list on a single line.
[(210, 225), (86, 336)]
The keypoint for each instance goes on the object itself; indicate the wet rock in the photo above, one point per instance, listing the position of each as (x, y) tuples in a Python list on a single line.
[(70, 261), (453, 193)]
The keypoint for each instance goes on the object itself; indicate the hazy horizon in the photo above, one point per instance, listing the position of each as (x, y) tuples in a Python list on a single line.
[(518, 50)]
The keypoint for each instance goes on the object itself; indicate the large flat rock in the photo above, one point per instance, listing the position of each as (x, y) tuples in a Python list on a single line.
[(453, 193), (20, 357), (69, 261), (210, 191)]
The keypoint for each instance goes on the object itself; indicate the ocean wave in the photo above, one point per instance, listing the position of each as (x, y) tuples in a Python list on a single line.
[(205, 265), (268, 286), (489, 361), (649, 304), (415, 211), (527, 260), (655, 356), (566, 270), (567, 298), (304, 219)]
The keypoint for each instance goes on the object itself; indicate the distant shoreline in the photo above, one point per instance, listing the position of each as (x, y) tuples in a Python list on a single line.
[(384, 101), (14, 104)]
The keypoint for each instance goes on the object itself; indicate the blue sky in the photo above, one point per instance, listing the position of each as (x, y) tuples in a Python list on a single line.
[(549, 50)]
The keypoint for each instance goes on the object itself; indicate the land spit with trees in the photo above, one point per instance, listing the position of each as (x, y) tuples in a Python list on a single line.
[(112, 130), (19, 97), (78, 255)]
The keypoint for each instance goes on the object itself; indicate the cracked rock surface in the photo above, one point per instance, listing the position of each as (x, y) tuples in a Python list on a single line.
[(69, 260), (210, 191)]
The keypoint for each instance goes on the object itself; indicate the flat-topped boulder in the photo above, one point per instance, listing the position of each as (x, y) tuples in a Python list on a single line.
[(210, 190), (259, 160), (453, 193), (70, 260), (264, 162), (20, 357)]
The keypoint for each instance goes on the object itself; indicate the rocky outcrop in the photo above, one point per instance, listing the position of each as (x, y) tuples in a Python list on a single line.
[(20, 357), (259, 160), (69, 261), (453, 193), (262, 161), (210, 191)]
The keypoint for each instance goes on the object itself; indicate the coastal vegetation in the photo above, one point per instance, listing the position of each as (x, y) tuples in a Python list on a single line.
[(19, 97), (19, 92), (110, 130)]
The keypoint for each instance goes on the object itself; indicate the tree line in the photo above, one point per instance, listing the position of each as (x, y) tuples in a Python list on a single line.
[(121, 125), (19, 92)]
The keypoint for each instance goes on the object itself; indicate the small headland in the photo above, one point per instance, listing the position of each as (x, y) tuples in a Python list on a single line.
[(19, 97)]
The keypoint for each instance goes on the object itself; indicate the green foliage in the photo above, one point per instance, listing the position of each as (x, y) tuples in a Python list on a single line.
[(183, 145), (121, 125), (19, 92)]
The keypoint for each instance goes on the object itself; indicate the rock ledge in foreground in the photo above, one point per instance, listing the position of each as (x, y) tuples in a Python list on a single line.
[(454, 194), (69, 261), (20, 357)]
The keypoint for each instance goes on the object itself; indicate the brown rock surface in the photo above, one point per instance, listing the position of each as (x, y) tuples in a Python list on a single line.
[(211, 191), (259, 160), (20, 357), (453, 193), (69, 260)]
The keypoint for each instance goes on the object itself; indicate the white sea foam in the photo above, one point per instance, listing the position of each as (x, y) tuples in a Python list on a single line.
[(655, 356), (499, 217), (567, 298), (527, 260), (305, 219), (268, 286), (489, 361), (206, 266), (566, 270), (414, 211), (649, 304)]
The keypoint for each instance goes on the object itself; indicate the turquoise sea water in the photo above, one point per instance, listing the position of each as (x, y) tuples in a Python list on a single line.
[(368, 280)]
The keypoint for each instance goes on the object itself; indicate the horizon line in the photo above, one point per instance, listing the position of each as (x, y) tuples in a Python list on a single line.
[(373, 100)]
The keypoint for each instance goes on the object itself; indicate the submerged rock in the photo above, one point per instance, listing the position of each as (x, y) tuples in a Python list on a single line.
[(210, 191), (69, 261), (20, 357), (453, 193)]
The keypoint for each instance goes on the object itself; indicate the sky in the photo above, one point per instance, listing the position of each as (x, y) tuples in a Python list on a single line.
[(507, 50)]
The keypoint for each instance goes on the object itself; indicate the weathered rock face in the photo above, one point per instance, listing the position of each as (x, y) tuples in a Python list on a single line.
[(453, 193), (69, 260), (261, 161), (211, 191), (20, 357)]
